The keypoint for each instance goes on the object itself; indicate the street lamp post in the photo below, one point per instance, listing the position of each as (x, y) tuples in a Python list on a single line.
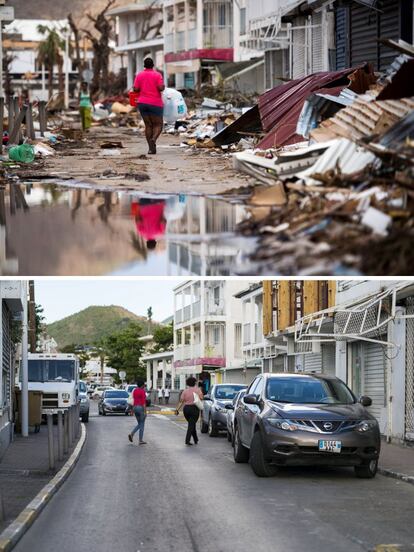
[(68, 32)]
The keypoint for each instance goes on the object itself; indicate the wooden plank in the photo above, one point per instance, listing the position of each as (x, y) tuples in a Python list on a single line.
[(10, 119), (310, 296), (14, 136), (30, 133), (267, 307), (283, 305), (42, 117), (331, 293)]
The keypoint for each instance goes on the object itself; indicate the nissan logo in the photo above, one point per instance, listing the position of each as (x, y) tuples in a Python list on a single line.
[(327, 426)]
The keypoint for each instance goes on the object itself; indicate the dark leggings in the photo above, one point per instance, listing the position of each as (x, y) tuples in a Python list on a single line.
[(191, 414)]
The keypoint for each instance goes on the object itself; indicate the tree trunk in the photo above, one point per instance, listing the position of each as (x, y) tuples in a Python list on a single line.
[(78, 59), (61, 79), (50, 80)]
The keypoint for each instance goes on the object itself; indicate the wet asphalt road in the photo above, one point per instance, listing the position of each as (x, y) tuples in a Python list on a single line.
[(164, 496)]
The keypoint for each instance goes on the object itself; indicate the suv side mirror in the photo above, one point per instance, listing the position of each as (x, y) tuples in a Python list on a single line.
[(250, 399), (365, 401)]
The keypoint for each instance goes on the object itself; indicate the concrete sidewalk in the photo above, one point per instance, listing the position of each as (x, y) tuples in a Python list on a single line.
[(397, 461), (24, 471)]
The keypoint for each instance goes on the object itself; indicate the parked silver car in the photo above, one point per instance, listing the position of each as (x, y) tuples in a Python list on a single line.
[(84, 402), (214, 415), (230, 415)]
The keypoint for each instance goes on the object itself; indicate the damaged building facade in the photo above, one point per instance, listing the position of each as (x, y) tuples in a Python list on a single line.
[(359, 330)]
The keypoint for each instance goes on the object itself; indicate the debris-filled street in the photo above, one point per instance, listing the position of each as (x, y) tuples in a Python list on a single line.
[(314, 176)]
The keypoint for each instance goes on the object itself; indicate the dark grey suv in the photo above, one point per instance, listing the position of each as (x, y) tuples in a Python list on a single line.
[(216, 403), (305, 419)]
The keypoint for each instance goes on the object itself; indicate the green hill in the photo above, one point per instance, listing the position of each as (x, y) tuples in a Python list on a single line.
[(91, 324)]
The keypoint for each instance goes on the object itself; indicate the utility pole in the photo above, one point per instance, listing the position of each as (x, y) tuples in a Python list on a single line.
[(32, 317), (68, 33), (24, 369)]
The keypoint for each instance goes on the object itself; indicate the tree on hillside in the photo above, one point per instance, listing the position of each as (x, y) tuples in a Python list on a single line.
[(163, 338), (123, 351), (49, 55)]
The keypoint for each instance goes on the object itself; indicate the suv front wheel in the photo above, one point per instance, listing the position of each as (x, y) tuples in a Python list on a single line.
[(367, 470), (258, 461), (241, 453), (203, 425)]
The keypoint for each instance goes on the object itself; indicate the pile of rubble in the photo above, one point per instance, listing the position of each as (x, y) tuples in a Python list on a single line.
[(336, 171)]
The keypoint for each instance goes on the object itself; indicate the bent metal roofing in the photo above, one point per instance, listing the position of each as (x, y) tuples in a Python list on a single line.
[(280, 107)]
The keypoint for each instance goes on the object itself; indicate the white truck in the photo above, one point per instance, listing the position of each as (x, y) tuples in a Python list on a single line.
[(57, 376)]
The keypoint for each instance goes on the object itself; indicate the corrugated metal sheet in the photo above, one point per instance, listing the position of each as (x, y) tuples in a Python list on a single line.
[(374, 377), (389, 27), (361, 118), (280, 107), (348, 156)]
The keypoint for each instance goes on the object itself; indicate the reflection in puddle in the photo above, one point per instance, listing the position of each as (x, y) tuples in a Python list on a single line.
[(56, 230)]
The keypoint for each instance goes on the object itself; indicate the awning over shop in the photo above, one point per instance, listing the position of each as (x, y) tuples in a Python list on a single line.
[(185, 66)]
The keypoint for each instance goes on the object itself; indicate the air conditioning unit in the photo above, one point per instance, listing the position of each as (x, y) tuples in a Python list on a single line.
[(302, 347)]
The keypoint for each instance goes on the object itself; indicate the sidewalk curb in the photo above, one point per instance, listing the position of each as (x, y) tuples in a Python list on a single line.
[(14, 532), (394, 475)]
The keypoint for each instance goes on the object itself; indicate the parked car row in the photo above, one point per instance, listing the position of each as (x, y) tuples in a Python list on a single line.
[(298, 419)]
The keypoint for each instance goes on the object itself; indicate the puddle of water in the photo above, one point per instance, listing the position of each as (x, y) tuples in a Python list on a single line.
[(50, 229)]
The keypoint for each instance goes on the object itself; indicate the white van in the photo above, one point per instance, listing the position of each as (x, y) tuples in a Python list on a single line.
[(57, 376)]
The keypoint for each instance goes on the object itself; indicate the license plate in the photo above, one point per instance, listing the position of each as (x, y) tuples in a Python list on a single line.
[(330, 446)]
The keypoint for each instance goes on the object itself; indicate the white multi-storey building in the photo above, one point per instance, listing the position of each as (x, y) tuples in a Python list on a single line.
[(207, 331), (140, 34)]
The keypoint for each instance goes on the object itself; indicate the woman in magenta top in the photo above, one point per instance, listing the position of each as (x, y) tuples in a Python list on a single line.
[(140, 410), (149, 85), (190, 410)]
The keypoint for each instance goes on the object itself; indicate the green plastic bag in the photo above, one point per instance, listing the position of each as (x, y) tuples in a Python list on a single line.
[(22, 154)]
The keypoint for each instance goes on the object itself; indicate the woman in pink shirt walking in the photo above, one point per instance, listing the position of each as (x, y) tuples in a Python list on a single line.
[(149, 85), (190, 410)]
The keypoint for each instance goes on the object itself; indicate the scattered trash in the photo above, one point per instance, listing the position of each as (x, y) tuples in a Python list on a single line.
[(111, 145), (24, 153), (174, 105)]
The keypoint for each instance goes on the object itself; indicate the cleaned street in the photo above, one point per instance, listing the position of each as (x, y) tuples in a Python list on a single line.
[(165, 496)]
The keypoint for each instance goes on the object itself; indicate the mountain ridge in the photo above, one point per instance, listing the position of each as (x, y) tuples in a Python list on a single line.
[(91, 324)]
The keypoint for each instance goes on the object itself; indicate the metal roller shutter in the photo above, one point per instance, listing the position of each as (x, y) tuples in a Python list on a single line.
[(341, 24), (313, 362), (389, 27), (6, 356), (328, 358), (409, 373), (299, 69), (374, 380), (363, 35), (317, 55), (367, 26)]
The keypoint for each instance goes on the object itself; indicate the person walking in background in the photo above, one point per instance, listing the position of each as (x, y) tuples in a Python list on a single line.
[(85, 106), (140, 411), (190, 410), (167, 395), (160, 395), (149, 84)]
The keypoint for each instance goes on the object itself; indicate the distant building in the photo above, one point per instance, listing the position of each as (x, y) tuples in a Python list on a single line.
[(96, 373), (47, 344)]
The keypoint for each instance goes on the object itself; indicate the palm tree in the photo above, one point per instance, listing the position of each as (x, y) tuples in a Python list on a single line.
[(49, 54)]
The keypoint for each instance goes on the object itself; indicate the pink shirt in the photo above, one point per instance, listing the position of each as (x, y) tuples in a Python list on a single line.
[(187, 395), (150, 220), (139, 396), (148, 82)]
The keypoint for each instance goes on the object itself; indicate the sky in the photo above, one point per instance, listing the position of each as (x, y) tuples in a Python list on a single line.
[(62, 297)]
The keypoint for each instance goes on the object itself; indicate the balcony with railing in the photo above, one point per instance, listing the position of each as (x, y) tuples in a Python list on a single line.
[(178, 316), (217, 36), (196, 309)]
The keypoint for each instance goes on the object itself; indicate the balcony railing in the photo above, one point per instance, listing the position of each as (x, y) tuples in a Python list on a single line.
[(247, 334), (178, 316), (196, 309), (213, 351)]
